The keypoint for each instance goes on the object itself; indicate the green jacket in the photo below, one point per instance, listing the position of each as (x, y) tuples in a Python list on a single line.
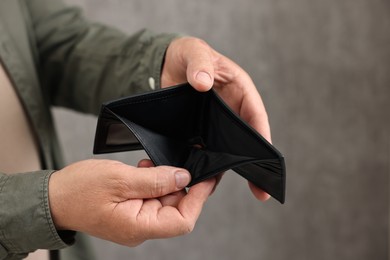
[(56, 58)]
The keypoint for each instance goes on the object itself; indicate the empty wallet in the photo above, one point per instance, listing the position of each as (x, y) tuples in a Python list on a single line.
[(182, 127)]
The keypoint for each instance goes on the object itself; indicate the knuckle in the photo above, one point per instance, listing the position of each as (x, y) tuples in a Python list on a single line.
[(199, 42), (135, 243), (187, 227), (190, 230)]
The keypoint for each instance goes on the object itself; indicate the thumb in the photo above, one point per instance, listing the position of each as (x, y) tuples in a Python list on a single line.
[(200, 68), (158, 181)]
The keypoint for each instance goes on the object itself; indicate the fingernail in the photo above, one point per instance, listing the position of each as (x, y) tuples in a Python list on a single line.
[(204, 78), (182, 179)]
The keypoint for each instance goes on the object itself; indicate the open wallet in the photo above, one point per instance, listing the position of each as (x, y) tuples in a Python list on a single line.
[(182, 127)]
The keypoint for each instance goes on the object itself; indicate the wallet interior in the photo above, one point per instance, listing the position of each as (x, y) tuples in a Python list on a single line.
[(197, 131)]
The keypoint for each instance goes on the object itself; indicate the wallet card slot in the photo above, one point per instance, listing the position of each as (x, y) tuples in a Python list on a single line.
[(119, 134), (108, 141)]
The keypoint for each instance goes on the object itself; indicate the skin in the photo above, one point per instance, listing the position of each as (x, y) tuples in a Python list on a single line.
[(128, 205)]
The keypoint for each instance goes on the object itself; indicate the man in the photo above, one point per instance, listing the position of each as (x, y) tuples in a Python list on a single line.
[(51, 56)]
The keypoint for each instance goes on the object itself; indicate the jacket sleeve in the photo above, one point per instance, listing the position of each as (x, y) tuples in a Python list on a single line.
[(83, 64), (24, 205)]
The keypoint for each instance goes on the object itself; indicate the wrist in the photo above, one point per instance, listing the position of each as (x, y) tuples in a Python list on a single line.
[(57, 202)]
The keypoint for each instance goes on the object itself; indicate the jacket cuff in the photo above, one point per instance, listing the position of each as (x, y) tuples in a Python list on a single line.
[(151, 55), (155, 58), (25, 220)]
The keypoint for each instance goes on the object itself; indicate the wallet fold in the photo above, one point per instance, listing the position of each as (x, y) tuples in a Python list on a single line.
[(182, 127)]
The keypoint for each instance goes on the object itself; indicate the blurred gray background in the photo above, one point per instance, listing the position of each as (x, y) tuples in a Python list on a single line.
[(323, 69)]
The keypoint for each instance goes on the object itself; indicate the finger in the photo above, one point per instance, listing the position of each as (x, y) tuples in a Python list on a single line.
[(200, 68), (191, 205), (253, 111), (218, 178), (145, 163), (172, 199), (173, 221), (155, 182), (250, 106), (259, 193)]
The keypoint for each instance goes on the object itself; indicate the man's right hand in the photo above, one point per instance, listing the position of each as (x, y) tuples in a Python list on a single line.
[(124, 204)]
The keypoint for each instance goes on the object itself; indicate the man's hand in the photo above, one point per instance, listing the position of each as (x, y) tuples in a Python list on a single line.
[(125, 204), (193, 60)]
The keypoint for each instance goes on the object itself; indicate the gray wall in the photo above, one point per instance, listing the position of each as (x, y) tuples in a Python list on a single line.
[(323, 70)]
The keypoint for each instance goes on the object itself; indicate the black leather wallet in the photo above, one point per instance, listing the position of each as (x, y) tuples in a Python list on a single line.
[(182, 127)]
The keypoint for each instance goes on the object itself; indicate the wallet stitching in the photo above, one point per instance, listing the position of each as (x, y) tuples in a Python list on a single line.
[(152, 98), (229, 166)]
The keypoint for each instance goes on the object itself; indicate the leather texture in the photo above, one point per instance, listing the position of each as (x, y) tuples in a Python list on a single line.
[(182, 127)]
